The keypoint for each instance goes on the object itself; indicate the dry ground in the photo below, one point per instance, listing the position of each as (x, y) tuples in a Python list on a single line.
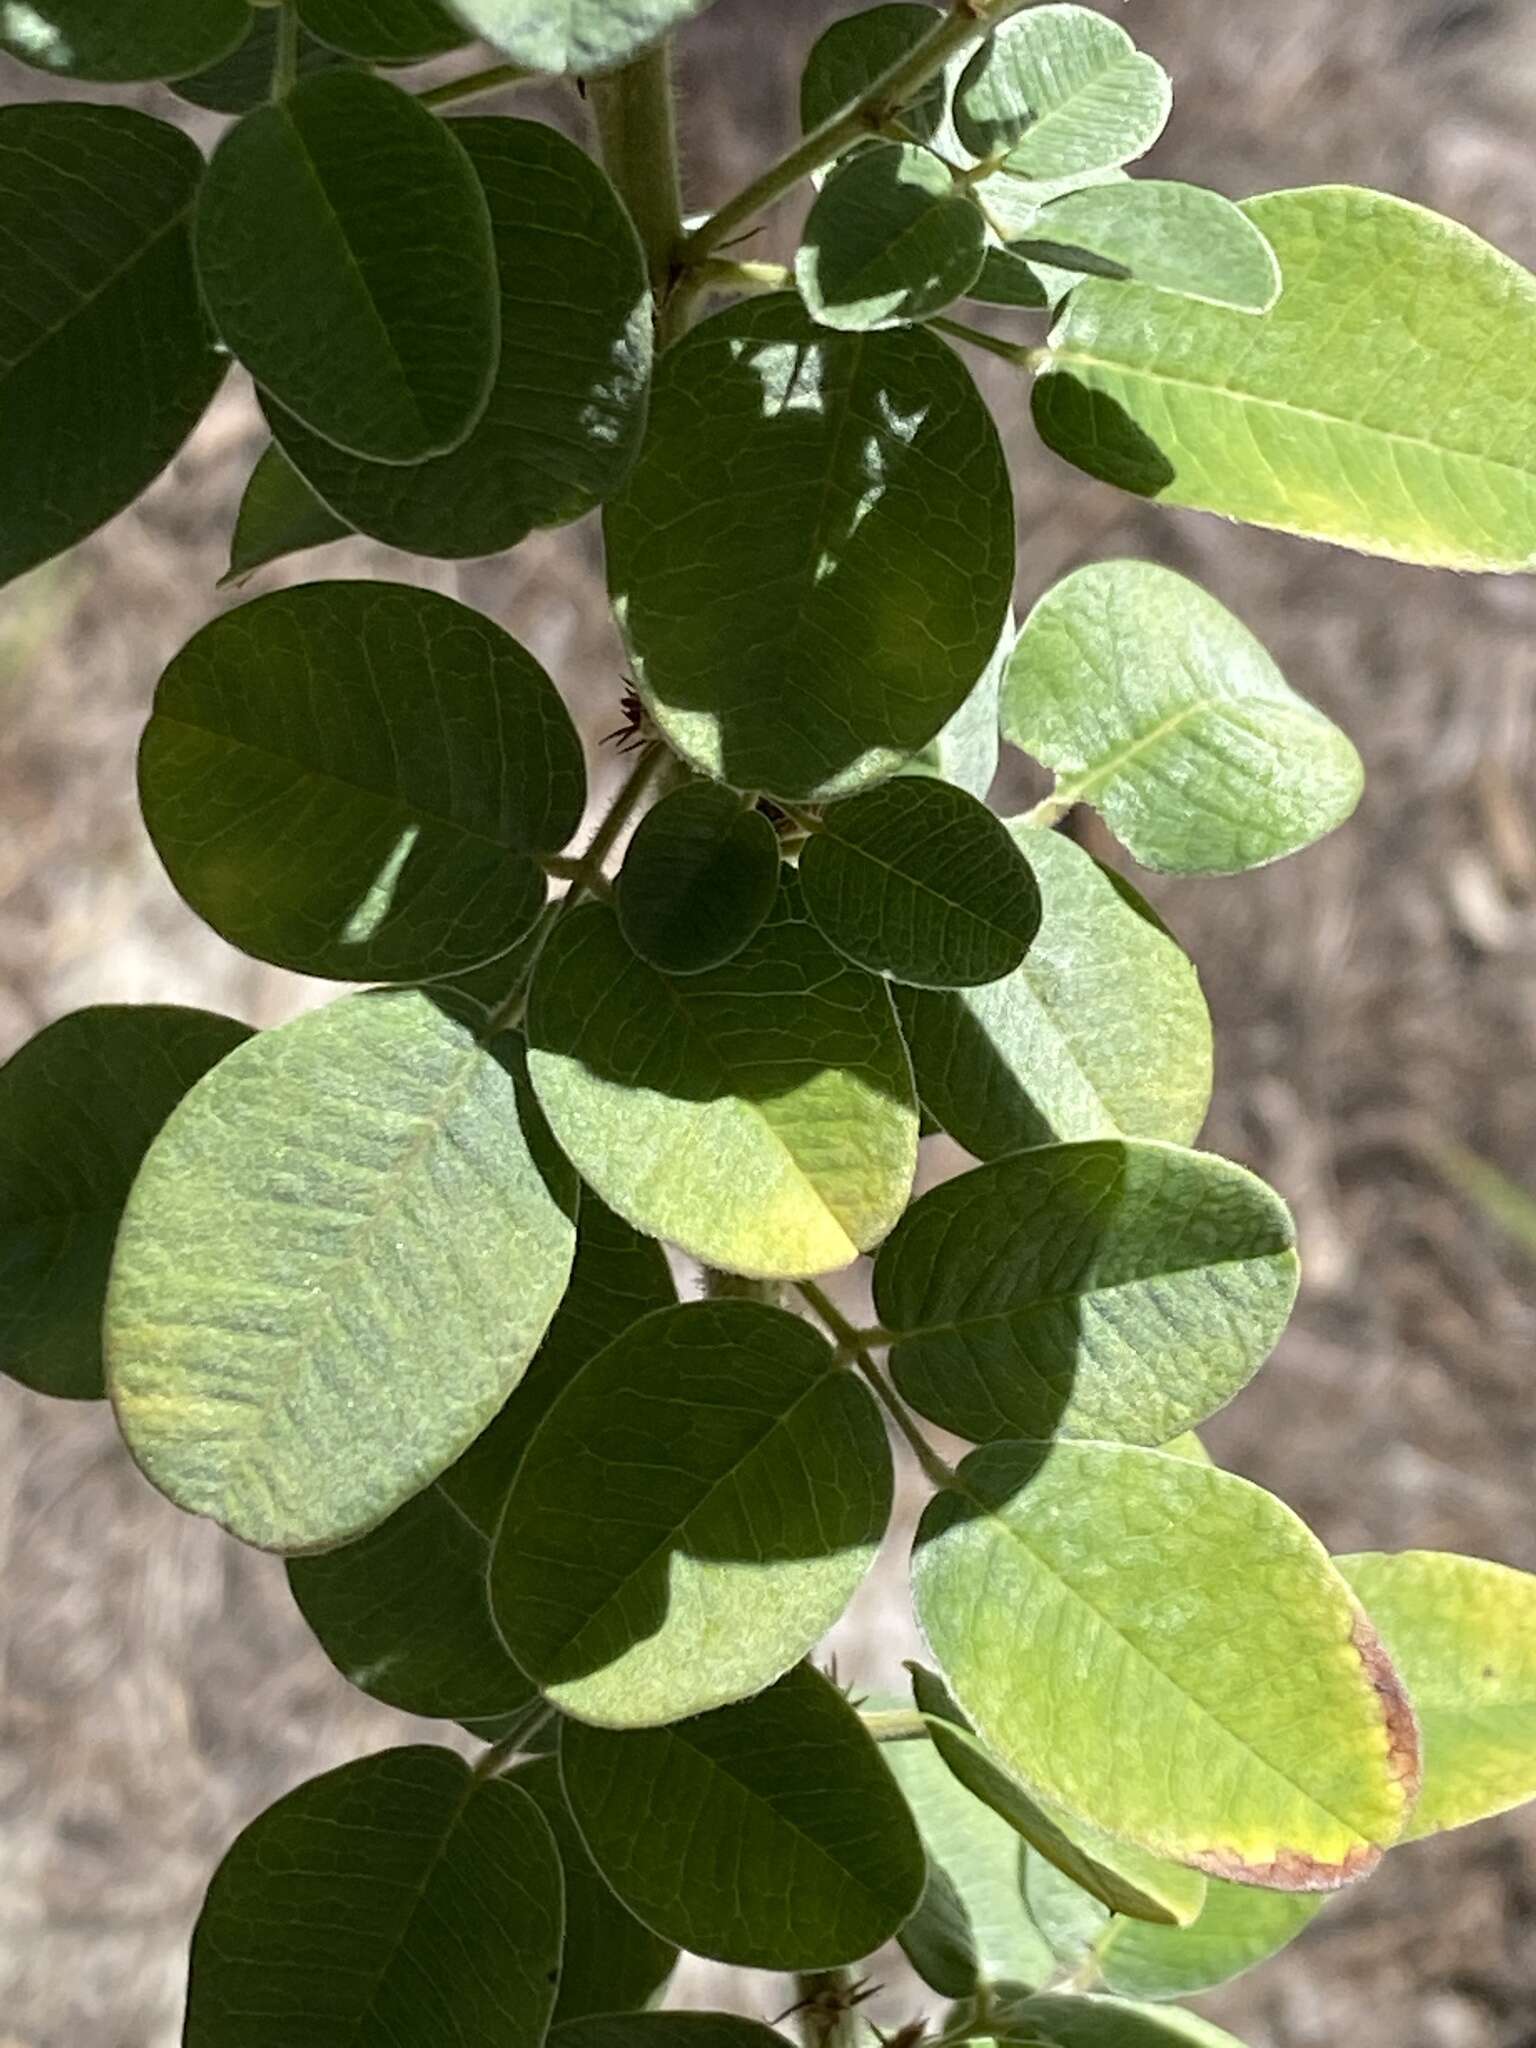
[(1370, 996)]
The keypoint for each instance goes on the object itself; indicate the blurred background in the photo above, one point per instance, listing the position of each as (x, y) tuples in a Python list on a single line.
[(1374, 998)]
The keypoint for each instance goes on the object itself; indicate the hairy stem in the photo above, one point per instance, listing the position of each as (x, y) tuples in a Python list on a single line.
[(852, 1342), (473, 83), (637, 129), (965, 23), (827, 2010)]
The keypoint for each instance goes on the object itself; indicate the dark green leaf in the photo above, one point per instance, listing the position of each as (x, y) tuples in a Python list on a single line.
[(279, 515), (383, 31), (356, 779), (1063, 90), (577, 36), (1101, 1032), (567, 409), (698, 880), (345, 251), (918, 880), (1295, 423), (1119, 1289), (850, 55), (665, 2030), (79, 1106), (825, 571), (767, 1834), (1152, 702), (890, 240), (106, 359), (334, 1267), (1165, 1651), (1007, 280), (965, 751), (693, 1515), (610, 1963), (117, 41), (243, 79), (398, 1898), (760, 1115)]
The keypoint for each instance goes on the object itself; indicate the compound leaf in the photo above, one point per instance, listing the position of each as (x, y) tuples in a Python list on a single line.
[(333, 1268), (383, 31), (1155, 705), (1166, 1651), (1114, 1288), (345, 252), (823, 574), (1174, 238), (1063, 90), (79, 1106), (578, 36), (760, 1116), (106, 358), (647, 1568), (357, 779), (117, 44), (1410, 434), (918, 880), (609, 1963), (767, 1834), (890, 240), (698, 880), (567, 409), (1101, 1032), (399, 1895), (279, 515), (1462, 1632)]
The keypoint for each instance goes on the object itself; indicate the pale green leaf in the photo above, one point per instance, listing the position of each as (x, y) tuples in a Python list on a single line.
[(1188, 1445), (1055, 2020), (79, 1105), (567, 409), (243, 79), (890, 240), (344, 248), (1112, 1288), (357, 779), (1174, 238), (852, 53), (106, 357), (1383, 404), (1239, 1927), (824, 573), (768, 1834), (383, 31), (1062, 90), (1155, 705), (647, 1567), (1014, 207), (398, 1898), (577, 36), (1462, 1632), (698, 880), (117, 41), (333, 1268), (760, 1116), (972, 1928), (1124, 1878), (609, 1962), (1164, 1650), (1101, 1032), (918, 880), (279, 515)]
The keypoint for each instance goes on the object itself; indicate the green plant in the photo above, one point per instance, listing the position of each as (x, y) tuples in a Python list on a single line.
[(383, 1290)]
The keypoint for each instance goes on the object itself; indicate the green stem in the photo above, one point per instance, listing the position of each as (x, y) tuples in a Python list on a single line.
[(894, 1724), (965, 23), (285, 65), (852, 1341), (1021, 356), (637, 129), (492, 79), (1049, 811), (515, 1744)]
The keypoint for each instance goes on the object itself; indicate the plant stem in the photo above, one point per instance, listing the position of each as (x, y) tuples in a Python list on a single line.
[(514, 1744), (827, 2010), (493, 79), (637, 130), (1049, 811), (965, 23), (852, 1341), (894, 1724), (1021, 356), (285, 65)]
